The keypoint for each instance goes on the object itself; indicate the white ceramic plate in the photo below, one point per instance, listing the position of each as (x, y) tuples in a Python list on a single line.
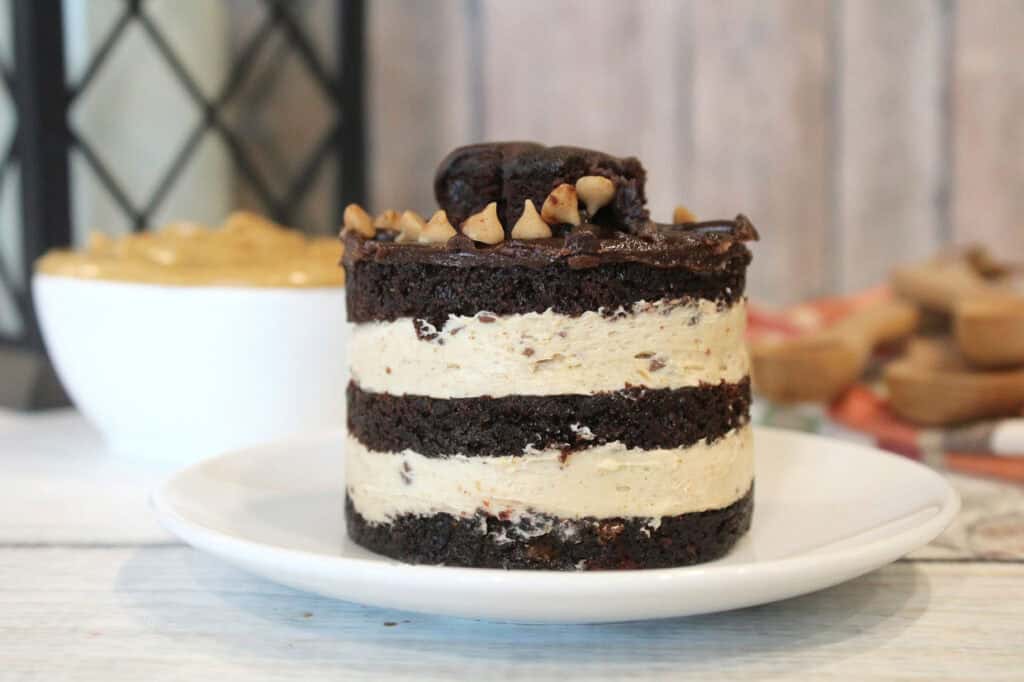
[(825, 511)]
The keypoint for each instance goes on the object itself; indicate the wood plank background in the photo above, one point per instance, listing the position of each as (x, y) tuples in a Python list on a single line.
[(856, 133)]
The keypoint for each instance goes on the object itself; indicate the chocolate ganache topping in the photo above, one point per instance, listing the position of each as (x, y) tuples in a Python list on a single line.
[(510, 173)]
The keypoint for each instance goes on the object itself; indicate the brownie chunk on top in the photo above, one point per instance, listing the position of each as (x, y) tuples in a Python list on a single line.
[(509, 173)]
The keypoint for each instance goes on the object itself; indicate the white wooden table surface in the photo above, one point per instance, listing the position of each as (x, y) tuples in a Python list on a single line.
[(92, 589)]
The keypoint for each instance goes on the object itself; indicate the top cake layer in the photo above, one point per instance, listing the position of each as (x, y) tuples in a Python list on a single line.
[(525, 228), (389, 281)]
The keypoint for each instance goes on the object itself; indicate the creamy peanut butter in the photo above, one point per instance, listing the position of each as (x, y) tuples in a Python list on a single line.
[(247, 250)]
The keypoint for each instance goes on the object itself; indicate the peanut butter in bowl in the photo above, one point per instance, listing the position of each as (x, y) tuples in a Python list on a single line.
[(247, 250), (189, 340)]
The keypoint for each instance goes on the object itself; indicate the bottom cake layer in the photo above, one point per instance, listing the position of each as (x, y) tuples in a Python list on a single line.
[(544, 542)]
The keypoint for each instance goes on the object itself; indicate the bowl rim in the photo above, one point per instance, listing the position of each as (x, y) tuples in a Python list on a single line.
[(241, 288)]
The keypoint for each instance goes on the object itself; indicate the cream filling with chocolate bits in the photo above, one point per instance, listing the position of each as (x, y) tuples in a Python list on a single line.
[(603, 481), (662, 344)]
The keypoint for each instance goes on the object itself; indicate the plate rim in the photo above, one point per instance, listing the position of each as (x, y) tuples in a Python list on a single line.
[(872, 554)]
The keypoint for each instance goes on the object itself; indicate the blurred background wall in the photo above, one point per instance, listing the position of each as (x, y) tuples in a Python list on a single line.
[(855, 133)]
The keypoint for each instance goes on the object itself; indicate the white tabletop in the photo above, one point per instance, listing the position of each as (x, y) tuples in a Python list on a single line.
[(92, 588)]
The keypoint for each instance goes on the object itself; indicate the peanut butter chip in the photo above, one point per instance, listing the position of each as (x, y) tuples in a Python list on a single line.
[(561, 207), (437, 230), (484, 226), (411, 225), (683, 215), (387, 220), (355, 219), (595, 191), (530, 225)]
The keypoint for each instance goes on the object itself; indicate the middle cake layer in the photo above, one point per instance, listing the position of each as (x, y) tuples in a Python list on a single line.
[(666, 344), (636, 417)]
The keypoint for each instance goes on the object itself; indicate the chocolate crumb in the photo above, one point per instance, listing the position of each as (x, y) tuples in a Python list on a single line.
[(528, 352), (611, 315), (607, 532), (307, 614), (656, 364), (388, 370), (541, 551), (390, 623), (487, 319), (405, 473), (644, 355), (425, 331)]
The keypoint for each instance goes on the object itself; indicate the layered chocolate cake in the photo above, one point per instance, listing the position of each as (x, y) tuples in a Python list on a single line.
[(543, 377)]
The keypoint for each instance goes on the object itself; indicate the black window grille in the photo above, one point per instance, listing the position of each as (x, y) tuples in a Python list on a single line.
[(46, 138)]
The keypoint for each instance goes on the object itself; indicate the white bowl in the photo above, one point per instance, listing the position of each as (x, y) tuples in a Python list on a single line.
[(182, 372)]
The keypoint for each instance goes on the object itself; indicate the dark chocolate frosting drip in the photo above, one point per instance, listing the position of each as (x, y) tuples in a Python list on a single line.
[(703, 246)]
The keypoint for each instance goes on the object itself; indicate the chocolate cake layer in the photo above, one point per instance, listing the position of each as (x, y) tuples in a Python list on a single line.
[(487, 541), (509, 173), (431, 291), (636, 417)]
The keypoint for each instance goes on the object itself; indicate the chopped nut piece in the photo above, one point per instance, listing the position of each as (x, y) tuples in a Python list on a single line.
[(561, 206), (387, 220), (595, 191), (437, 230), (355, 219), (485, 226), (411, 224), (529, 225), (683, 215)]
